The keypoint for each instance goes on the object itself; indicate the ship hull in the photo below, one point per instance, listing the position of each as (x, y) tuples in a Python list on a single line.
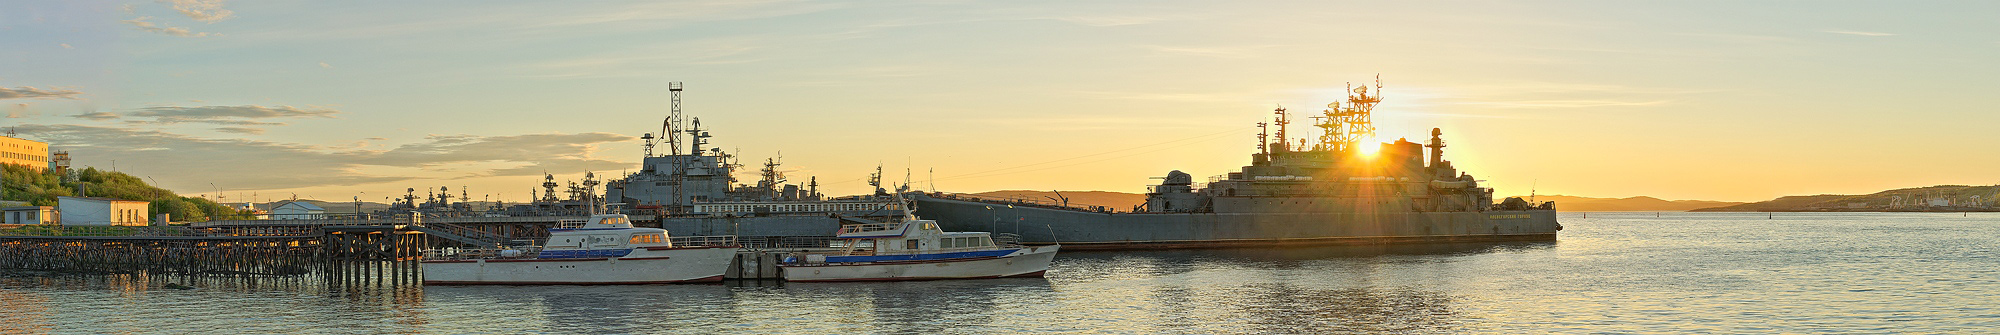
[(681, 265), (1031, 262), (1084, 230)]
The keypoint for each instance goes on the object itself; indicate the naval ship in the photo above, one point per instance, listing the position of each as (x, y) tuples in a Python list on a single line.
[(693, 190), (1328, 191)]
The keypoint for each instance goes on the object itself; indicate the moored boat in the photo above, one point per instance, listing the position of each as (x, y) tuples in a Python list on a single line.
[(604, 249), (918, 250)]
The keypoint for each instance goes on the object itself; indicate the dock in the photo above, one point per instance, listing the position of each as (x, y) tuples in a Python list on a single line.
[(351, 249)]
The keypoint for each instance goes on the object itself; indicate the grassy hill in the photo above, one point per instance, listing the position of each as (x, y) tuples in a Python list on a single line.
[(40, 188), (1958, 196)]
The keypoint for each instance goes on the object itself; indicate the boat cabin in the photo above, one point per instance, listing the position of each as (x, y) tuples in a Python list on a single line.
[(911, 237), (603, 232)]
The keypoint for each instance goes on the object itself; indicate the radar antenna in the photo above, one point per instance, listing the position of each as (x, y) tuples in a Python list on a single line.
[(1284, 119), (1347, 125)]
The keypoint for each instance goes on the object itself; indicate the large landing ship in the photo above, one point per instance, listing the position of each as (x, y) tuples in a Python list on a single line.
[(1328, 191), (694, 190)]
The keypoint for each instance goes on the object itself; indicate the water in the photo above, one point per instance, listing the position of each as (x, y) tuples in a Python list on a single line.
[(1609, 273)]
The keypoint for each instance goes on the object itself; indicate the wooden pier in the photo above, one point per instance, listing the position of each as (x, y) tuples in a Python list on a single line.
[(353, 251)]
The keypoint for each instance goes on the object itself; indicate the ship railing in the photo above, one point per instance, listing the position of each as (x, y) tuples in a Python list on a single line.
[(1007, 240), (1022, 201), (869, 227), (705, 241), (452, 254), (569, 223)]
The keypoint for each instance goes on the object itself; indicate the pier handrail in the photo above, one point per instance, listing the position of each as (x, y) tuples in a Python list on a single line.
[(462, 234), (155, 231)]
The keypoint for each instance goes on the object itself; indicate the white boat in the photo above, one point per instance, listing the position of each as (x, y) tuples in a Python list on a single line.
[(918, 250), (604, 249)]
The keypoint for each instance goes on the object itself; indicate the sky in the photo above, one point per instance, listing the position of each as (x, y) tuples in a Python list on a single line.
[(336, 100)]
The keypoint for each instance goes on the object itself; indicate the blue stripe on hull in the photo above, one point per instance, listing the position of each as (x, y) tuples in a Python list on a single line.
[(558, 254), (919, 257)]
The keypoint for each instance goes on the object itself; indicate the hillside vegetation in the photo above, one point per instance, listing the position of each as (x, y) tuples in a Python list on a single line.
[(1957, 196), (42, 188)]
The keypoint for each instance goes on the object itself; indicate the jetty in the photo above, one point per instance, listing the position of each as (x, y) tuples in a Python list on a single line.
[(349, 248)]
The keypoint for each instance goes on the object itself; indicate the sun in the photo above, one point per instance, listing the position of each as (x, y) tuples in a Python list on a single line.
[(1368, 147)]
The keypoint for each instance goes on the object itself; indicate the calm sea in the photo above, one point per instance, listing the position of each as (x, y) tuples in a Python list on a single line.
[(1609, 273)]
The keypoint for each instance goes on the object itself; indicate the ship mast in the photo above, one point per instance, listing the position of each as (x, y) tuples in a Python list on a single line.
[(1284, 143), (672, 132), (1348, 124)]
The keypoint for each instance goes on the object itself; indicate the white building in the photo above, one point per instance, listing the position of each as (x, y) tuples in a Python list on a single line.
[(255, 214), (79, 211), (298, 210), (28, 215)]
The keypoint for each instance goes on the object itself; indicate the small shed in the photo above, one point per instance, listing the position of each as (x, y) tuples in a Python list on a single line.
[(297, 210), (91, 211), (28, 215)]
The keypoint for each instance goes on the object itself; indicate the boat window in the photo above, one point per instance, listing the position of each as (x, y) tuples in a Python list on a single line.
[(910, 244), (648, 238)]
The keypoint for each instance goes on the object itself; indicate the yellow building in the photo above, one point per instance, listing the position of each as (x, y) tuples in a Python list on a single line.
[(33, 154)]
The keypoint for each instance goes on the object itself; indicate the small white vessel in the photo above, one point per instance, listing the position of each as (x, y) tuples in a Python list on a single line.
[(918, 250), (604, 249)]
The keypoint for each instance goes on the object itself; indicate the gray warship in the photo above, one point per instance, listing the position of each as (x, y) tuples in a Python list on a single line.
[(1329, 191), (693, 190)]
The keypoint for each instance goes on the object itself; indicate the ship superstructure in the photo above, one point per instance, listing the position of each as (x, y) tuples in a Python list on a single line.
[(1325, 191), (693, 188)]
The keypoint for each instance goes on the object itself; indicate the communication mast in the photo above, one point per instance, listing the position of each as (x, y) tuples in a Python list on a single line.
[(1284, 143), (670, 130), (648, 138), (673, 132), (1349, 124)]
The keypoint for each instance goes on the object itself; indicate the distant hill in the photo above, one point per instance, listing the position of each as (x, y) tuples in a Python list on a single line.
[(1641, 203), (1121, 200), (1933, 198), (1117, 200)]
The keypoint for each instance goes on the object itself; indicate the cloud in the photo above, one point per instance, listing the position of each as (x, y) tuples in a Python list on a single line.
[(209, 11), (66, 46), (241, 130), (164, 29), (36, 93), (193, 162), (1860, 33), (96, 116), (229, 115), (19, 111), (324, 65)]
